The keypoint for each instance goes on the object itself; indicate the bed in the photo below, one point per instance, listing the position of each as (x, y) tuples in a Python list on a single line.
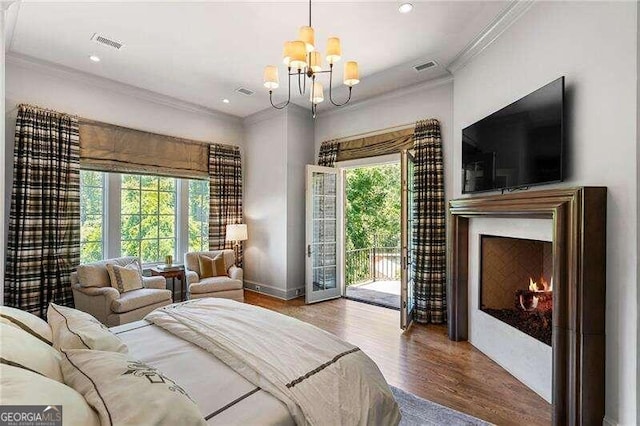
[(239, 364)]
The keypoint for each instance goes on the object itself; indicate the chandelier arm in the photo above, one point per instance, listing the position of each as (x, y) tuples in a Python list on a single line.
[(330, 95), (309, 12), (300, 84), (282, 106)]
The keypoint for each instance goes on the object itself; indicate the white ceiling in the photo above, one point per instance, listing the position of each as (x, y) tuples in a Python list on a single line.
[(201, 52)]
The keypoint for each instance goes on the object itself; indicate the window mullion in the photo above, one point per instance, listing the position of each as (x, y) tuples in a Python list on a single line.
[(182, 219), (112, 215)]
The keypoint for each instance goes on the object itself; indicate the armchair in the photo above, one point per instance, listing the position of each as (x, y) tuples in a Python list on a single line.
[(229, 287), (92, 293)]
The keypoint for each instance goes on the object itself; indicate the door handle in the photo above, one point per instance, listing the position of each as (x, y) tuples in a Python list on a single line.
[(308, 250)]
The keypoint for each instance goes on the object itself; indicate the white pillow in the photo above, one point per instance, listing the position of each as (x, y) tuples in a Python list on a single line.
[(22, 387), (28, 322), (125, 391), (74, 329), (20, 349)]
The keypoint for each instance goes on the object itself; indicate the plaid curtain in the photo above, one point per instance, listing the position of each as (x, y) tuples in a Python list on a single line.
[(429, 233), (328, 153), (44, 222), (225, 195)]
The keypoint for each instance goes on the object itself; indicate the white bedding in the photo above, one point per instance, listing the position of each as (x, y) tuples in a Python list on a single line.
[(322, 379), (223, 396)]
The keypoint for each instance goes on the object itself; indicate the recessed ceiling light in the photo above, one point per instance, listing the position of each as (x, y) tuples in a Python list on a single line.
[(226, 101), (94, 58), (405, 8)]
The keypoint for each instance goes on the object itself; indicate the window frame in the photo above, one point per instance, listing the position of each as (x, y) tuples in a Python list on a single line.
[(112, 216)]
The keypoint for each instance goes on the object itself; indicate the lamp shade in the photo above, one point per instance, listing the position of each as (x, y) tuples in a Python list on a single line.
[(271, 80), (298, 55), (334, 51), (237, 232), (307, 35), (315, 61), (351, 73), (287, 52), (317, 94)]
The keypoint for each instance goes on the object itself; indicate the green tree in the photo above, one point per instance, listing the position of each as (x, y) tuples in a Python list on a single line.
[(372, 215)]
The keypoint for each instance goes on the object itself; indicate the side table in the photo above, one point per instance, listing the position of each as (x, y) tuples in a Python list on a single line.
[(173, 273)]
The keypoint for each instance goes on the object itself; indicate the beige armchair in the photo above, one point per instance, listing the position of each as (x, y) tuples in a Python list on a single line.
[(92, 293), (229, 287)]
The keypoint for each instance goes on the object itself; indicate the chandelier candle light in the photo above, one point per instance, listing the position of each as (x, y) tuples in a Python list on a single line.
[(304, 61)]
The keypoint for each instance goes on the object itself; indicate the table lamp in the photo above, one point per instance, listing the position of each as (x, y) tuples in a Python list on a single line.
[(236, 233)]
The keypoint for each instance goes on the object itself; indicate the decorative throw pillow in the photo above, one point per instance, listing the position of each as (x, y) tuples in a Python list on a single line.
[(125, 391), (20, 349), (74, 329), (125, 278), (28, 322), (212, 267), (22, 387)]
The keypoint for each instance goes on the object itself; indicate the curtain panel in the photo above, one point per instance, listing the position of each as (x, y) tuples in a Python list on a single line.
[(328, 153), (225, 190), (109, 148), (44, 220), (429, 232)]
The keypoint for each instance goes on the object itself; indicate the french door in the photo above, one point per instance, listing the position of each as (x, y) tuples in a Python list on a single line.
[(323, 280), (407, 301)]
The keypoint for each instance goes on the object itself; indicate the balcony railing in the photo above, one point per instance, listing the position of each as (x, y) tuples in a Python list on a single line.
[(372, 264)]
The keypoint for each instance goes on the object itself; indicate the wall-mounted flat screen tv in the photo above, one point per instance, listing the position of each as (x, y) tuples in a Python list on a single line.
[(518, 146)]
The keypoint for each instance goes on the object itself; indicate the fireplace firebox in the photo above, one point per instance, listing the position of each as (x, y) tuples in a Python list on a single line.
[(516, 283)]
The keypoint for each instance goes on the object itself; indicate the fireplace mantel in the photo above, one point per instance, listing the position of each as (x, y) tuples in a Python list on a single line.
[(579, 276)]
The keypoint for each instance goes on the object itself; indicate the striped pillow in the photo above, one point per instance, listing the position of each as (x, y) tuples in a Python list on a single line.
[(212, 267)]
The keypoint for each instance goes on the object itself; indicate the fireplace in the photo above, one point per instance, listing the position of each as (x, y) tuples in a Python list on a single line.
[(578, 218), (516, 283)]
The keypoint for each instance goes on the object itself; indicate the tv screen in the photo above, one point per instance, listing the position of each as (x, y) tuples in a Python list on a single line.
[(518, 146)]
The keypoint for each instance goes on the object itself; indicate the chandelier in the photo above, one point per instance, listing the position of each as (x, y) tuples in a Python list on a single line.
[(304, 62)]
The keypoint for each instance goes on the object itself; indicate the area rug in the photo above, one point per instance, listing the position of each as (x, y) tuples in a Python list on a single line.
[(418, 411)]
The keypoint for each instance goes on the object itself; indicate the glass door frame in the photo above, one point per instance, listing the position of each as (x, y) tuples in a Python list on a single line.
[(407, 303)]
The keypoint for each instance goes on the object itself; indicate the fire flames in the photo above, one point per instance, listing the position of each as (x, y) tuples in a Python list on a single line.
[(546, 287)]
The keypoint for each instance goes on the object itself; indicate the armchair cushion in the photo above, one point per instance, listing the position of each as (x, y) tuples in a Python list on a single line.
[(157, 282), (95, 274), (136, 299), (125, 278), (214, 284), (191, 259)]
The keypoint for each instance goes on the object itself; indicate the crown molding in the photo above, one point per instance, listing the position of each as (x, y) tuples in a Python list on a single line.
[(426, 85), (67, 73), (514, 11)]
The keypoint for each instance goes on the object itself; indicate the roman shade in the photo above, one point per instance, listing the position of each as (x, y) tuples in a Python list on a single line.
[(373, 146), (110, 148)]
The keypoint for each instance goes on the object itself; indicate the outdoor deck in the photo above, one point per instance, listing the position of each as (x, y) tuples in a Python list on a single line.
[(383, 293)]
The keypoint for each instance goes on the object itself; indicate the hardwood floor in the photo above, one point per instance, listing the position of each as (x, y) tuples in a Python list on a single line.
[(423, 360)]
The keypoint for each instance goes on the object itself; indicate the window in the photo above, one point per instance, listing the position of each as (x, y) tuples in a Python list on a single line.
[(91, 216), (198, 215), (148, 217)]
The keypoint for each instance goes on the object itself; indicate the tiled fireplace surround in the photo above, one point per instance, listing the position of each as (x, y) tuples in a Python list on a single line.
[(574, 220)]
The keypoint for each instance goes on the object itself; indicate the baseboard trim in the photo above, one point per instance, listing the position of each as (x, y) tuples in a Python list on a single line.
[(276, 292)]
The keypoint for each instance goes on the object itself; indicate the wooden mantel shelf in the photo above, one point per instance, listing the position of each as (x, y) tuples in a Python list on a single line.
[(579, 277)]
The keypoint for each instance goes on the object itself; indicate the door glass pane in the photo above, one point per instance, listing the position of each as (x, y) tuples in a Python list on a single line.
[(324, 228), (411, 218)]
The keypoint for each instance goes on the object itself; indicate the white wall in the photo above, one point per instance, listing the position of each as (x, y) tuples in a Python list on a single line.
[(278, 144), (300, 149), (595, 46), (405, 106), (265, 202)]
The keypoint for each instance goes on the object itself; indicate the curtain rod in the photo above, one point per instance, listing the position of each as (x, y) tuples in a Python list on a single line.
[(46, 110), (373, 132)]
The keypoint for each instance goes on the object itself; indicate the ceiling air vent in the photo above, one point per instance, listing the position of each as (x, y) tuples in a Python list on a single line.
[(105, 41), (245, 91), (425, 66)]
